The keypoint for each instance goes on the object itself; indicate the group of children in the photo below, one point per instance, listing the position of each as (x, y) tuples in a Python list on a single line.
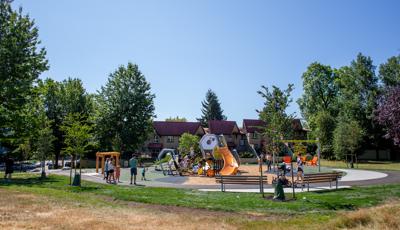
[(112, 171)]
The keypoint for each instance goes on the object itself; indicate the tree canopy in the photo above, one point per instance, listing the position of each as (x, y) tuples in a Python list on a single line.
[(126, 109), (22, 60), (388, 114), (177, 119)]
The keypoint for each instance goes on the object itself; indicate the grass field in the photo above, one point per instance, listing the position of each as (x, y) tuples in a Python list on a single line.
[(182, 208), (371, 165)]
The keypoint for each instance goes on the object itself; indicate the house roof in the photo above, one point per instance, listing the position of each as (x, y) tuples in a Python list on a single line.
[(252, 125), (223, 127), (175, 128)]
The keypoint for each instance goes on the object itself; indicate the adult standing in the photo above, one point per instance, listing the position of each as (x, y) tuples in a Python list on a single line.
[(133, 165), (9, 168)]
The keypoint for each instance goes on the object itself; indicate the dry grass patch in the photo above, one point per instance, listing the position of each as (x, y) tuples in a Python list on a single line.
[(381, 217), (26, 211)]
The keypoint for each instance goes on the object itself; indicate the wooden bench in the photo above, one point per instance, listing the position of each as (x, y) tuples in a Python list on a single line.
[(245, 180), (322, 177)]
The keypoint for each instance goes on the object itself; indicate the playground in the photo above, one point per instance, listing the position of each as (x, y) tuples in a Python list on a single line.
[(175, 195)]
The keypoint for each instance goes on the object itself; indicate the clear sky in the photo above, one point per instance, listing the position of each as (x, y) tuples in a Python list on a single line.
[(233, 47)]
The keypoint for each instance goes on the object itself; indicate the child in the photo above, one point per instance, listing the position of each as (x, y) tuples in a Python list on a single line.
[(143, 173), (300, 170), (117, 173)]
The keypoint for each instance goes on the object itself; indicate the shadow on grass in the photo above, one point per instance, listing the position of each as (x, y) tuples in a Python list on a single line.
[(31, 181), (333, 190)]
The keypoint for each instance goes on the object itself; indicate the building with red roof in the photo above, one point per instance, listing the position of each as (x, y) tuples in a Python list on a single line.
[(167, 133)]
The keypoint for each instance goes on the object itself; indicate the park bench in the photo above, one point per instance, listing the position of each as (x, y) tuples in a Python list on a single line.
[(244, 180), (322, 177)]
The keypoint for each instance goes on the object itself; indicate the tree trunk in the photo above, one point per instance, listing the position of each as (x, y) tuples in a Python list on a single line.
[(80, 171), (43, 175)]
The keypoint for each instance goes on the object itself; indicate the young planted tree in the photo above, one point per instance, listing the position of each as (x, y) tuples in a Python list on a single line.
[(348, 137), (211, 109), (44, 143), (22, 60), (278, 121), (78, 139), (126, 109)]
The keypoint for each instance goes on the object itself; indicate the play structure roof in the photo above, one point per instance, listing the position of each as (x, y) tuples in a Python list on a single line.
[(107, 153), (174, 128)]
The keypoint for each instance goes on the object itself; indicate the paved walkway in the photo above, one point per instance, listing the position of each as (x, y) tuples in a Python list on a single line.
[(353, 177)]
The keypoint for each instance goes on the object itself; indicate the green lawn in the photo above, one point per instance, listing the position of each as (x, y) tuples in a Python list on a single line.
[(344, 199), (371, 165)]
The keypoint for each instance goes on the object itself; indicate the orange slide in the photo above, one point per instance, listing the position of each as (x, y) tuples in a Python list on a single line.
[(230, 164)]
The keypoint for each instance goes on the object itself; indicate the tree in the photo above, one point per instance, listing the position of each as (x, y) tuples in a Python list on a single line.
[(21, 63), (347, 138), (388, 114), (177, 119), (44, 142), (61, 99), (358, 90), (126, 109), (187, 142), (389, 72), (211, 109), (278, 122), (320, 91), (78, 138), (325, 124)]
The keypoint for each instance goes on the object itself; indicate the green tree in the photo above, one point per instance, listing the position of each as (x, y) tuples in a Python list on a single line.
[(211, 109), (278, 121), (348, 137), (126, 109), (325, 123), (389, 72), (44, 142), (358, 91), (78, 138), (22, 60), (187, 142), (320, 91), (61, 99), (177, 118)]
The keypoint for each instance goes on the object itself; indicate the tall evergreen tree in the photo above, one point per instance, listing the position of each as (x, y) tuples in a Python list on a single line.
[(126, 110), (21, 62), (211, 109)]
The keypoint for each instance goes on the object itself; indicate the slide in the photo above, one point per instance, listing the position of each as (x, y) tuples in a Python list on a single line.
[(230, 164)]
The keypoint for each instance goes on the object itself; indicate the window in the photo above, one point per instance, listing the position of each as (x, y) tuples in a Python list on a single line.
[(241, 142), (170, 139), (156, 139), (254, 135)]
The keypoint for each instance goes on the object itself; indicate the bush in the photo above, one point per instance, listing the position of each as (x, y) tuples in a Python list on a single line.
[(246, 155)]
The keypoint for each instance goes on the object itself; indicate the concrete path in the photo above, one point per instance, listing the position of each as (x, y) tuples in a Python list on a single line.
[(353, 177), (359, 175)]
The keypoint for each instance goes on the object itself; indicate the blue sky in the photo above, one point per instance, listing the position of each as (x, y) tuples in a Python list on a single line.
[(233, 47)]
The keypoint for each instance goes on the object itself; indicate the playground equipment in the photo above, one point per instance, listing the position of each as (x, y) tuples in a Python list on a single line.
[(103, 156), (214, 147), (172, 164)]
